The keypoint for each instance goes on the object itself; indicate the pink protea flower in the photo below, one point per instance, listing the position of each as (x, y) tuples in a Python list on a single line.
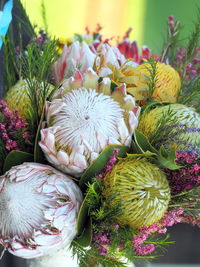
[(77, 56), (84, 118), (108, 54), (38, 211), (130, 49)]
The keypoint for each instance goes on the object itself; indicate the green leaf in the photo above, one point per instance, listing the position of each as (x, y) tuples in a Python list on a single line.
[(16, 157), (98, 165), (142, 143), (38, 154), (113, 86), (167, 158), (83, 214), (86, 237), (145, 154)]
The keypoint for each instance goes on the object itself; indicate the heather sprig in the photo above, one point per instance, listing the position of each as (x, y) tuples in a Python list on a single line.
[(187, 177), (13, 132), (168, 52)]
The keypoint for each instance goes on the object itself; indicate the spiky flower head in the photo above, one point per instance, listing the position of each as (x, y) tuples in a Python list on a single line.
[(38, 210), (141, 189), (167, 83), (181, 129), (19, 97), (84, 118)]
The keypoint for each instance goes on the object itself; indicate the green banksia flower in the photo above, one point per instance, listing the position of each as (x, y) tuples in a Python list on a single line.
[(141, 189), (181, 130), (19, 97)]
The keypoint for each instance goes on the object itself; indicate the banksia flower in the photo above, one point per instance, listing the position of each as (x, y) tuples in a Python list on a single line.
[(39, 207), (181, 131), (167, 84), (19, 97), (82, 121), (141, 189)]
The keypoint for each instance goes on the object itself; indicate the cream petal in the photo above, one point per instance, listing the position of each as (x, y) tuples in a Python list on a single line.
[(104, 86), (133, 122), (122, 129), (50, 140), (113, 141), (47, 240), (63, 157), (93, 156), (78, 159), (90, 79), (102, 139)]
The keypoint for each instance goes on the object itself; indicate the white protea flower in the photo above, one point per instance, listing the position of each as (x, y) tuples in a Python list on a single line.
[(38, 210), (82, 121)]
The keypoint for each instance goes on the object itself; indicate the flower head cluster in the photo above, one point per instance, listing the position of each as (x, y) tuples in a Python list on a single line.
[(188, 176), (13, 131)]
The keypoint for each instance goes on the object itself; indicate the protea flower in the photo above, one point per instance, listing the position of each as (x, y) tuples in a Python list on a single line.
[(107, 54), (39, 207), (78, 56), (19, 97), (85, 118), (141, 189), (182, 130)]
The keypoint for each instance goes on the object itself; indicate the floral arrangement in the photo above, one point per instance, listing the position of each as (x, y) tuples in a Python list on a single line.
[(100, 146)]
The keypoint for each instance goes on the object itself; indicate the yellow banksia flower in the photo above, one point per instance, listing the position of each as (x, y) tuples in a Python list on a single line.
[(142, 190), (167, 87), (168, 82)]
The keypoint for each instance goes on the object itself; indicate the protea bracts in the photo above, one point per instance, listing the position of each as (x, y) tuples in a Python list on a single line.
[(38, 210), (83, 119)]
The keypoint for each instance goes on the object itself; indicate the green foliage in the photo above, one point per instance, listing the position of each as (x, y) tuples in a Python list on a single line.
[(141, 143), (16, 157), (22, 24), (191, 93), (171, 43), (98, 165), (189, 199), (192, 44), (35, 63), (90, 257), (167, 158), (151, 78)]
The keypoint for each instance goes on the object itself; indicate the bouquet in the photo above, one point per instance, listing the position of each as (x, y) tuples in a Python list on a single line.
[(100, 146)]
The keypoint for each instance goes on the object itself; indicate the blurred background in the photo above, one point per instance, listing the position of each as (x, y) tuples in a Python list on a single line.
[(148, 18)]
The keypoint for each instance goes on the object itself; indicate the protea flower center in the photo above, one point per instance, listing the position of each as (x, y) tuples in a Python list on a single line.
[(84, 115), (142, 190), (38, 210), (83, 122)]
